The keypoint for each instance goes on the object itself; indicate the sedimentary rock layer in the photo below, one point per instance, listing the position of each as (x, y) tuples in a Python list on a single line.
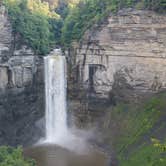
[(130, 45)]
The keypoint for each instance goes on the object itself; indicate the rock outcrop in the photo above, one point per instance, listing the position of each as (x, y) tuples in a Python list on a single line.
[(128, 48), (126, 52), (17, 65), (21, 88), (119, 63)]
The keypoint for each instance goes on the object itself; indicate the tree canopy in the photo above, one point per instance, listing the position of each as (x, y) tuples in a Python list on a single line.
[(34, 21), (88, 12), (46, 23), (13, 157)]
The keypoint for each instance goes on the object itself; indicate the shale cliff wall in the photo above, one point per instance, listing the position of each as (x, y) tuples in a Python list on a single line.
[(21, 88), (117, 70), (129, 49), (126, 53), (18, 64)]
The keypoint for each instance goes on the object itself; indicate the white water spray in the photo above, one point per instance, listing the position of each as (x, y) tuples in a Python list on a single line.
[(55, 91), (57, 131)]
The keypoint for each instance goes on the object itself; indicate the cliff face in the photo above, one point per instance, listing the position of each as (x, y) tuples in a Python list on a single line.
[(21, 88), (17, 65), (128, 49), (123, 56), (121, 64)]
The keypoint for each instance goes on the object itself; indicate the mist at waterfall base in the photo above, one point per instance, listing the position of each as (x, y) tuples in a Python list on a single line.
[(57, 131), (62, 146)]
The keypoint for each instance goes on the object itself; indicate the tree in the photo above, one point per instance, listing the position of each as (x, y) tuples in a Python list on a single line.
[(31, 20), (13, 157)]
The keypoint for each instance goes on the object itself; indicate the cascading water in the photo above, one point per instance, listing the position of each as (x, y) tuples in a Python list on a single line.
[(55, 91), (60, 141), (62, 146), (57, 131)]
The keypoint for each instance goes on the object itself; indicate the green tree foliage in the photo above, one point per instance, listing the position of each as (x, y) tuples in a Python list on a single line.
[(148, 155), (89, 12), (33, 20), (52, 3), (13, 157), (44, 23), (64, 6), (81, 18), (161, 148), (55, 3), (157, 5)]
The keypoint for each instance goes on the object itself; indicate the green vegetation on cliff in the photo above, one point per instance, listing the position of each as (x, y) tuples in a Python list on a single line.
[(147, 155), (13, 157), (44, 24), (90, 12), (132, 131), (32, 20), (38, 22)]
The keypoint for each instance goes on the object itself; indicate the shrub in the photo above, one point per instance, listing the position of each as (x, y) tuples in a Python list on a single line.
[(13, 157)]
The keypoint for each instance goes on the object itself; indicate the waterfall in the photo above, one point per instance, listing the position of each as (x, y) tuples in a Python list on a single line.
[(57, 131), (55, 96)]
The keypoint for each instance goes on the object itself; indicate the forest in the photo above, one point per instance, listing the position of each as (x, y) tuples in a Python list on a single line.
[(65, 21)]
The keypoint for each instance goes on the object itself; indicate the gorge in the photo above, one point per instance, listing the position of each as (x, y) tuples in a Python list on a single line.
[(116, 86), (59, 140)]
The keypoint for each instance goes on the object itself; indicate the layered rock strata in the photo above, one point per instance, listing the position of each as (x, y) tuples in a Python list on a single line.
[(130, 47), (21, 88)]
